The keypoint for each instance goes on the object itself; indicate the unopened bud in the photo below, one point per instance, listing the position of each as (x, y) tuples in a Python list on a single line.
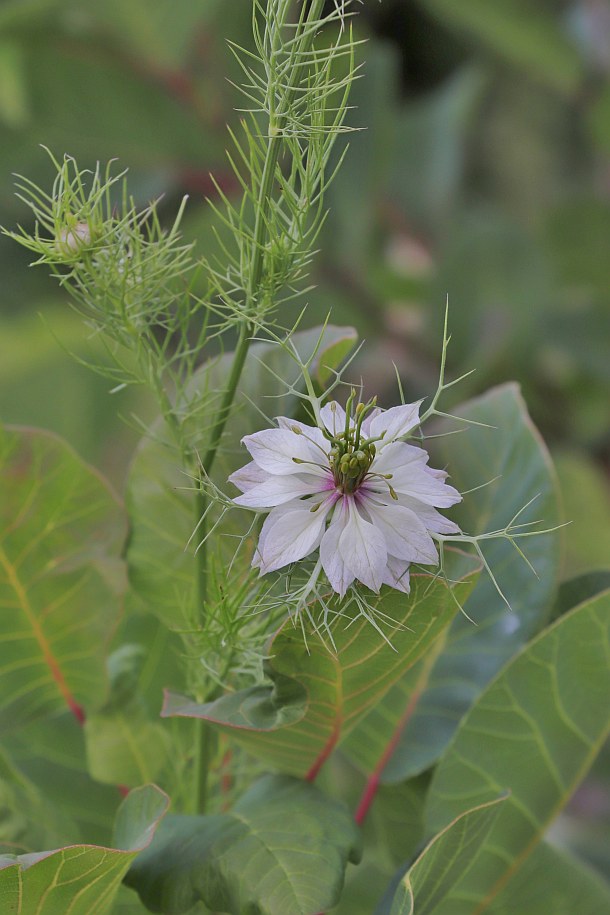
[(71, 240)]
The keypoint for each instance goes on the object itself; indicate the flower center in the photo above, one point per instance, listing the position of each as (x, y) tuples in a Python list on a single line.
[(351, 454)]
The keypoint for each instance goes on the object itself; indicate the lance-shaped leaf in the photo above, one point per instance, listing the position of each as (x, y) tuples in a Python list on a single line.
[(61, 532), (421, 713), (535, 731), (282, 850), (161, 499), (81, 879), (319, 695), (442, 863)]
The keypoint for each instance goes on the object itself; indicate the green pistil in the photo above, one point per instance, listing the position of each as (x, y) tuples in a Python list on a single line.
[(351, 456)]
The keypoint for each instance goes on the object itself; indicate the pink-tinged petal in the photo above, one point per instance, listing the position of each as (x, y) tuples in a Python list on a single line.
[(339, 576), (395, 422), (397, 574), (333, 417), (405, 535), (314, 434), (396, 456), (432, 519), (275, 449), (276, 490), (292, 537), (362, 548), (248, 476)]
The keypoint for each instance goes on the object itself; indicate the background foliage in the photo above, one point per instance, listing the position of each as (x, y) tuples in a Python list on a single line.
[(483, 173)]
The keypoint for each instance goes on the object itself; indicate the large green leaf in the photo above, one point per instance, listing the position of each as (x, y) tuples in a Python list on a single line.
[(535, 731), (282, 850), (49, 754), (527, 36), (422, 711), (318, 695), (443, 862), (60, 577), (28, 819), (160, 503), (81, 879), (125, 745), (552, 881)]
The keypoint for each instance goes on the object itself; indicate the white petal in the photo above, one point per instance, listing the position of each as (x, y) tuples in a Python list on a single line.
[(362, 548), (248, 476), (339, 576), (396, 456), (405, 535), (432, 519), (274, 515), (415, 480), (279, 489), (291, 537), (333, 417), (395, 422), (397, 574), (311, 432), (275, 449)]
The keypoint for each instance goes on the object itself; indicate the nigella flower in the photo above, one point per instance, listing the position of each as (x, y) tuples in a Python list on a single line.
[(351, 488)]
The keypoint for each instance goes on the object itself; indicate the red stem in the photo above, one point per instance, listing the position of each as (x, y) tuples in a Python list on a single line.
[(372, 785), (328, 748)]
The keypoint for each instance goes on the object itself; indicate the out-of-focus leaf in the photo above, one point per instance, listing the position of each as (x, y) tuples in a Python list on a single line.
[(318, 694), (50, 754), (527, 37), (599, 120), (14, 108), (552, 881), (431, 134), (89, 97), (28, 820), (248, 860), (541, 709), (159, 31), (507, 271), (577, 230), (422, 711), (586, 500), (60, 577), (125, 745), (160, 503), (81, 879), (579, 589), (443, 862), (15, 13)]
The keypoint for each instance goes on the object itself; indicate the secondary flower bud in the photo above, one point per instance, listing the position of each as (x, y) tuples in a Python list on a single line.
[(72, 240)]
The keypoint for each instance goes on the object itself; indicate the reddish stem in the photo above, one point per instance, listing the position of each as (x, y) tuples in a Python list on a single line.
[(374, 779), (328, 748), (76, 709)]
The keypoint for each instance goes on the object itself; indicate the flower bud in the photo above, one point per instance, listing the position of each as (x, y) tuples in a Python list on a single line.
[(72, 240)]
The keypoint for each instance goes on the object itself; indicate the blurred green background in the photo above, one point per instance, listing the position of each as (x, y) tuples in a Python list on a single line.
[(483, 174)]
